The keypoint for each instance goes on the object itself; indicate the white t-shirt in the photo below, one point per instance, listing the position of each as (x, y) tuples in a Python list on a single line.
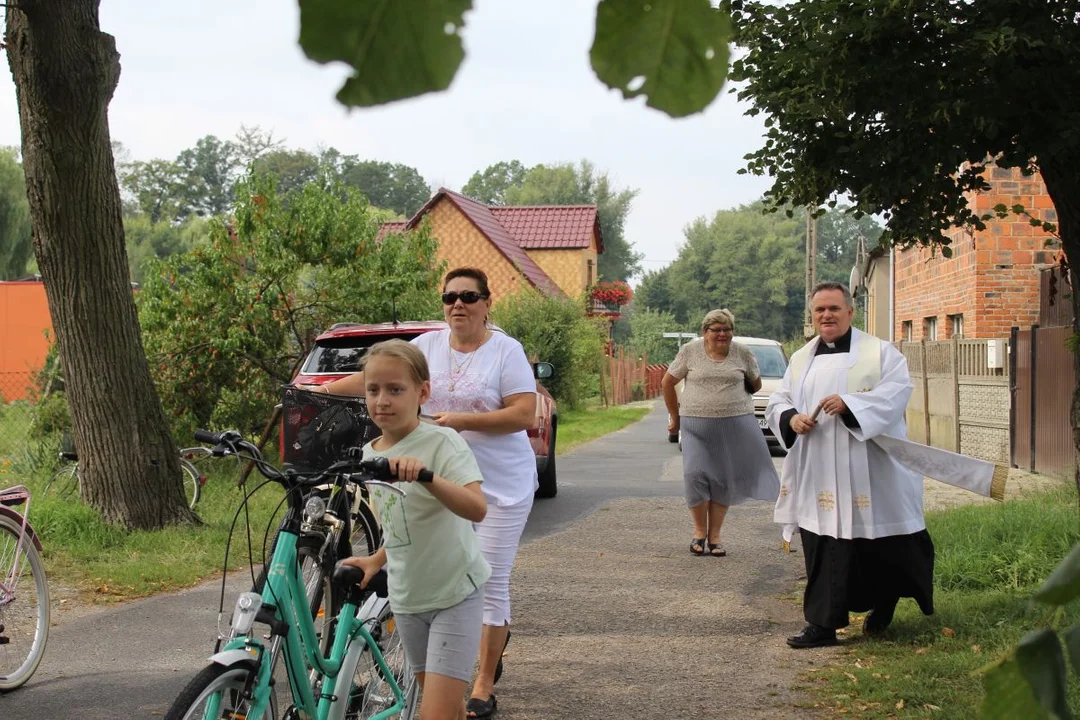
[(480, 381)]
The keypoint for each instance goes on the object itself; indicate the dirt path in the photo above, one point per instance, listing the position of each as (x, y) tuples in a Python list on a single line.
[(615, 619)]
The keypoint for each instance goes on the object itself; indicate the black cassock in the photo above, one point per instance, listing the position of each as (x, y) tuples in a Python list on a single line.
[(858, 575)]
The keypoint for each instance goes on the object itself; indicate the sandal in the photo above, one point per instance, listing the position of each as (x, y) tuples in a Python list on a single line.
[(499, 667), (479, 708), (697, 546), (717, 550)]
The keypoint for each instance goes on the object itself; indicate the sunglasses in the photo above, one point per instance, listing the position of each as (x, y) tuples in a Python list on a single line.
[(468, 297)]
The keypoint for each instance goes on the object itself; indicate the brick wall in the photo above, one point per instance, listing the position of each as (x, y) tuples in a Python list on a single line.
[(992, 280), (461, 244), (568, 268)]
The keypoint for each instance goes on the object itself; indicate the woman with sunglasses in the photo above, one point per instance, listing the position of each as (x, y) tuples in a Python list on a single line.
[(482, 385)]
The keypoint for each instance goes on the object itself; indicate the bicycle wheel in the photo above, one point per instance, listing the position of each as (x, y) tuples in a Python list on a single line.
[(193, 482), (221, 686), (371, 694), (64, 482), (364, 533), (318, 588), (24, 606)]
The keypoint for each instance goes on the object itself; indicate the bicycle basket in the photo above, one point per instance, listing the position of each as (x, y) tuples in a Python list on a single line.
[(317, 428)]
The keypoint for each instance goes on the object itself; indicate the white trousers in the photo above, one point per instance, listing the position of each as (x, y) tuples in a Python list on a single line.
[(499, 535)]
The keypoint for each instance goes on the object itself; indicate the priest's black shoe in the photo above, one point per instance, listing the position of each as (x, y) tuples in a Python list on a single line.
[(813, 636), (880, 617)]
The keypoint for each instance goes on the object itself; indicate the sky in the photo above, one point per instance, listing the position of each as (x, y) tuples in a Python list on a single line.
[(525, 91)]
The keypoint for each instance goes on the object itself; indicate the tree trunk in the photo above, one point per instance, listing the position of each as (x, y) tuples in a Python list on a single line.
[(65, 71), (1063, 186)]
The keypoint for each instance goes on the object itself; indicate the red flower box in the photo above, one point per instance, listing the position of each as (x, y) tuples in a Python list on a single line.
[(612, 293)]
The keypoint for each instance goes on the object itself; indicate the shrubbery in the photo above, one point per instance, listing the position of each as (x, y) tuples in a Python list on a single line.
[(555, 330), (225, 323)]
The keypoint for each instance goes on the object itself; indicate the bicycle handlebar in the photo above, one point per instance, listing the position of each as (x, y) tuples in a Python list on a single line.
[(378, 468)]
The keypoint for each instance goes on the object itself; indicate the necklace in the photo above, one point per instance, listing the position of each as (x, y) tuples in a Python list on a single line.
[(457, 370)]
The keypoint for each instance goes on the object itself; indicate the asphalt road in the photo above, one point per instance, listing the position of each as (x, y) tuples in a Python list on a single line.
[(132, 660)]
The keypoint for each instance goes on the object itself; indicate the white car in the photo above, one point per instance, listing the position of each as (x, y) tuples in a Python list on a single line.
[(772, 362)]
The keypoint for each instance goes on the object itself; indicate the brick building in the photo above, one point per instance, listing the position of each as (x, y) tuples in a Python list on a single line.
[(552, 248), (992, 281)]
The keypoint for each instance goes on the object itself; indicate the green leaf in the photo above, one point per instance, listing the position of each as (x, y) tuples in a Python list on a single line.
[(674, 52), (1063, 584), (1072, 645), (399, 49), (946, 251), (1043, 666), (1008, 695), (1018, 209)]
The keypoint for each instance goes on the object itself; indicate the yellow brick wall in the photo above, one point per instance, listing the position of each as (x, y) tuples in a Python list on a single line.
[(568, 268), (461, 244)]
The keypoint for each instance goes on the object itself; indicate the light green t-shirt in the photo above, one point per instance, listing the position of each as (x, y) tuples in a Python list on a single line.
[(433, 559)]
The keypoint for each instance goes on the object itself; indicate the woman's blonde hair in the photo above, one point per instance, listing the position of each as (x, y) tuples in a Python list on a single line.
[(722, 316), (405, 352)]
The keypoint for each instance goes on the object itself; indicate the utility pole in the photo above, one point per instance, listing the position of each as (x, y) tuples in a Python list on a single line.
[(811, 270)]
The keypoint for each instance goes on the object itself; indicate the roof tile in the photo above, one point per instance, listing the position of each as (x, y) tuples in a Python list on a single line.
[(544, 227)]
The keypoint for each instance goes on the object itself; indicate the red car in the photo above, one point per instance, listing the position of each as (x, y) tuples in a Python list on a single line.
[(338, 352)]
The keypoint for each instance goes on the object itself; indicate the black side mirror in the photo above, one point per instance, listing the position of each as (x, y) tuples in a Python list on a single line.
[(543, 370)]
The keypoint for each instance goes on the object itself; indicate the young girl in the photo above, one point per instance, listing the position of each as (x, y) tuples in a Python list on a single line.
[(435, 570)]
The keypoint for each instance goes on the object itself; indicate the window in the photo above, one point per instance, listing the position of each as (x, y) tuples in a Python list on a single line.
[(905, 330), (930, 328), (589, 275), (956, 326), (770, 360)]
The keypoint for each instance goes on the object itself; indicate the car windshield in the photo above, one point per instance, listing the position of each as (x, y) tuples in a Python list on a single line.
[(770, 360), (344, 354)]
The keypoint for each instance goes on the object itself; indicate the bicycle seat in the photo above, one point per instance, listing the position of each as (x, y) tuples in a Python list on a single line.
[(347, 580), (71, 456)]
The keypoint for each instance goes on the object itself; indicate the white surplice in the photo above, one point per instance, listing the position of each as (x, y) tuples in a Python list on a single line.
[(834, 482)]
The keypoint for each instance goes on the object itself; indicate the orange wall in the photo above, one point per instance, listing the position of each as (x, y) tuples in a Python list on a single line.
[(24, 318)]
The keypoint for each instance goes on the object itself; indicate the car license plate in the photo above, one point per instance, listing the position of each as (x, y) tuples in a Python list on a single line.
[(762, 424)]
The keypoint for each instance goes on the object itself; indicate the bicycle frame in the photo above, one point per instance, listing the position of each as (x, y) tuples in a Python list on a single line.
[(18, 495), (284, 594)]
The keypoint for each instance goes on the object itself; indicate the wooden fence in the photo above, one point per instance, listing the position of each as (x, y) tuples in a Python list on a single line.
[(625, 378)]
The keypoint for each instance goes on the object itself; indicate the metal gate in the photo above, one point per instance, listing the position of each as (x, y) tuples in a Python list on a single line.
[(1043, 383)]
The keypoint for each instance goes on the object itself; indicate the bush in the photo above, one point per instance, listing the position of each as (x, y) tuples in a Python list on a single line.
[(555, 330), (225, 323), (51, 416)]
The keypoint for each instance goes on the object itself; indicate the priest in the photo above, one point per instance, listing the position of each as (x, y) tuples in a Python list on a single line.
[(859, 512)]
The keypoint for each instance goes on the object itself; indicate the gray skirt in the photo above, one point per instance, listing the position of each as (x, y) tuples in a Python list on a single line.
[(726, 461)]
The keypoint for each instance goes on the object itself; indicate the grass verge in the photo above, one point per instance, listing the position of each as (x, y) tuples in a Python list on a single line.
[(990, 559), (103, 563), (583, 424)]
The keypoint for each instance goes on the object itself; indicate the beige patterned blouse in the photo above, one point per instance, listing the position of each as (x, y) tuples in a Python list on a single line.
[(714, 388)]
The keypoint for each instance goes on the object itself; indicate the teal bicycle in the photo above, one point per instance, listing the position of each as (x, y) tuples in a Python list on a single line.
[(365, 675)]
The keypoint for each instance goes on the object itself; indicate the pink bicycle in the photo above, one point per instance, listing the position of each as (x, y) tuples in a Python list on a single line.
[(24, 592)]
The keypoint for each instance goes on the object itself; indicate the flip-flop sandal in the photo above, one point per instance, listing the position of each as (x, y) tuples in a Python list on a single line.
[(697, 546), (480, 708), (499, 667), (717, 550)]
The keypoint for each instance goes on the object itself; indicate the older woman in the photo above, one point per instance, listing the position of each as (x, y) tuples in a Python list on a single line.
[(725, 458), (482, 385)]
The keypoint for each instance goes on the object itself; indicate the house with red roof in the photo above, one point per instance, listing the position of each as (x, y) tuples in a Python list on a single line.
[(552, 248)]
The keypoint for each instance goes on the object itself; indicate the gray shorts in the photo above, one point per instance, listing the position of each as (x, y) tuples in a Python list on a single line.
[(444, 641)]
